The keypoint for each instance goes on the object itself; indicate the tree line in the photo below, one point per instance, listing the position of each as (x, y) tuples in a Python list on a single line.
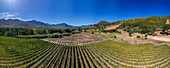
[(15, 32)]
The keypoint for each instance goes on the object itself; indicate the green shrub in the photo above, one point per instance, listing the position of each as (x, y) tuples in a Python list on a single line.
[(138, 36), (146, 36), (113, 36), (92, 32), (42, 36), (130, 34), (66, 34), (110, 31), (54, 36)]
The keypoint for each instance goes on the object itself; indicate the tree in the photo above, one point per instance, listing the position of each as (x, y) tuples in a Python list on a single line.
[(146, 36), (85, 30), (9, 33), (79, 29), (130, 34), (92, 32)]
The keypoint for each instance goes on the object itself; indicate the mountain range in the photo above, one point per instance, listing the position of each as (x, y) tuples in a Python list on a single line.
[(31, 24), (101, 24)]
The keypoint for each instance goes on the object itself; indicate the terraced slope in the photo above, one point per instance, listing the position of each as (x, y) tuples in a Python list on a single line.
[(34, 53)]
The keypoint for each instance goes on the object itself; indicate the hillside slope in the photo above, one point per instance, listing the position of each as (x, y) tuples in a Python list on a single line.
[(145, 25), (141, 25)]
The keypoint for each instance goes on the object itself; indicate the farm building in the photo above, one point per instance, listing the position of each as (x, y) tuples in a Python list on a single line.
[(168, 30)]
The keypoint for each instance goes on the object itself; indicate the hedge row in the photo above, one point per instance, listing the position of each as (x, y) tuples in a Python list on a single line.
[(56, 35)]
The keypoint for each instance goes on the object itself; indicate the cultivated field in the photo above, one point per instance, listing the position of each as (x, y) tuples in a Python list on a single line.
[(79, 39), (107, 54)]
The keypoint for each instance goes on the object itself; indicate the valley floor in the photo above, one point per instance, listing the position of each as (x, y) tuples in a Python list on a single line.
[(88, 38), (84, 51)]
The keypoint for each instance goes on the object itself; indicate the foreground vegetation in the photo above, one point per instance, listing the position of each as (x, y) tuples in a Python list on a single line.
[(35, 53)]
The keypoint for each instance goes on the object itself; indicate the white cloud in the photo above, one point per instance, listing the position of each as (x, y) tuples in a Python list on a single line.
[(9, 15)]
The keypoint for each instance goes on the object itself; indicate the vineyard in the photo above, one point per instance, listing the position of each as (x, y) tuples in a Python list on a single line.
[(33, 53)]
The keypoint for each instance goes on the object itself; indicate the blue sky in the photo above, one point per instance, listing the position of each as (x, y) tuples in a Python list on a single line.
[(82, 12)]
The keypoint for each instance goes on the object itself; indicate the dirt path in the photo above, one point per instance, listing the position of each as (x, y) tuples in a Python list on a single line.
[(160, 38)]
